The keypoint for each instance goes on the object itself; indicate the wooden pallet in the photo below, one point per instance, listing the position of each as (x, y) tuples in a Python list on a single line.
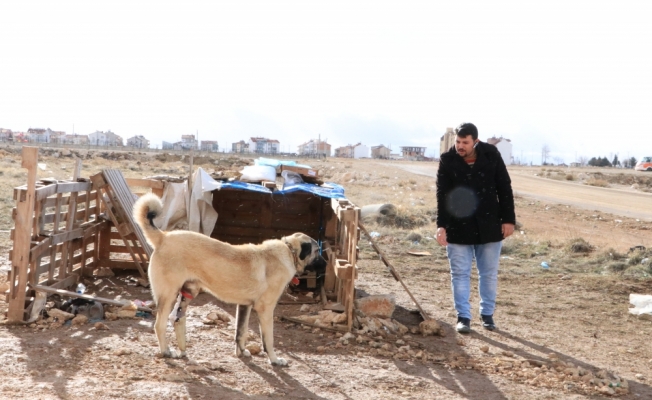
[(119, 202)]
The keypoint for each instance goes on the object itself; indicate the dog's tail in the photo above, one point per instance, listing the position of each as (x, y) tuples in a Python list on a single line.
[(145, 210)]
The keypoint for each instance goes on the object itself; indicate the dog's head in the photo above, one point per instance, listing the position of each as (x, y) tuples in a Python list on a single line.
[(306, 253)]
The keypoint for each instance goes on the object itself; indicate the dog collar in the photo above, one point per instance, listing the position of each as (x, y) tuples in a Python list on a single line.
[(294, 255)]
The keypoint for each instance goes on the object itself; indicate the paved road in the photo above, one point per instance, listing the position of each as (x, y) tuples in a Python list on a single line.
[(524, 183)]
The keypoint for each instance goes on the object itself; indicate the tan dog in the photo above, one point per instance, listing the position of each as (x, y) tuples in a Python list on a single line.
[(251, 276)]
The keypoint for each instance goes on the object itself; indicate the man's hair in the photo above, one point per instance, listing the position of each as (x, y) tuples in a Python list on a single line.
[(465, 129)]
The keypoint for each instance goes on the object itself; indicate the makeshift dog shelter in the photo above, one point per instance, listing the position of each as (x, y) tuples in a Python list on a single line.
[(68, 229)]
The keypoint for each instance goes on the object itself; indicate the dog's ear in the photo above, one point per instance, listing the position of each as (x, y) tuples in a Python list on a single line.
[(306, 250)]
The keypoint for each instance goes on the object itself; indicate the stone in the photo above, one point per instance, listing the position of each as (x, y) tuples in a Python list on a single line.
[(381, 306), (508, 353), (101, 326), (103, 271), (640, 377), (484, 348), (60, 315), (80, 319), (431, 327), (123, 351), (254, 349)]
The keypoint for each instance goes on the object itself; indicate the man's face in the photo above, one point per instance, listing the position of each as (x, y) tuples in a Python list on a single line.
[(464, 145)]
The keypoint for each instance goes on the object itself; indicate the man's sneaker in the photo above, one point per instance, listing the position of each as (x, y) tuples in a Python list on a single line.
[(488, 322), (463, 325)]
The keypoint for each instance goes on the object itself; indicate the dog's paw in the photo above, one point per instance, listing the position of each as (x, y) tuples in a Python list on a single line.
[(246, 353), (280, 362), (166, 354)]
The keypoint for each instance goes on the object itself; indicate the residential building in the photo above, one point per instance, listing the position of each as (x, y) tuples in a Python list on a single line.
[(263, 145), (188, 142), (6, 135), (38, 135), (315, 147), (413, 153), (380, 151), (358, 150), (108, 138), (76, 139), (240, 147), (138, 141), (209, 145), (447, 140), (504, 146)]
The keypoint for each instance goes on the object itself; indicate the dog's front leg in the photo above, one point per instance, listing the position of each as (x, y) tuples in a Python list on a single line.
[(242, 328), (266, 319)]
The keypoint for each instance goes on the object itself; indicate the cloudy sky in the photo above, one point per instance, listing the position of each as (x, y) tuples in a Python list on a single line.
[(575, 76)]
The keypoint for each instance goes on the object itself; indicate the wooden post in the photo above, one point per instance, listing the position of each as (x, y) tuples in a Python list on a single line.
[(23, 235)]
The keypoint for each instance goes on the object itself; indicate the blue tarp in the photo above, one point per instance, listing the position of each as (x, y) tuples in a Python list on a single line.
[(329, 189)]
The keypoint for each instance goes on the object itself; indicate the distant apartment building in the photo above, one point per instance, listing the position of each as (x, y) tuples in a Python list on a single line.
[(138, 141), (76, 139), (240, 147), (380, 151), (39, 135), (358, 150), (413, 153), (108, 138), (504, 146), (447, 140), (314, 147), (187, 142), (6, 135), (209, 145), (263, 145)]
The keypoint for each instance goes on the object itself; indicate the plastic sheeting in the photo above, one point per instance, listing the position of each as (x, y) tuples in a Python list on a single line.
[(198, 211)]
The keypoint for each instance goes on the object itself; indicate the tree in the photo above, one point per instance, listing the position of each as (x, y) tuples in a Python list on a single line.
[(615, 162), (632, 162), (545, 152), (582, 160), (593, 162)]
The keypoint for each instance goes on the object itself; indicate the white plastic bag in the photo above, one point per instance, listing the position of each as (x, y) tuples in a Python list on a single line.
[(642, 305), (258, 173)]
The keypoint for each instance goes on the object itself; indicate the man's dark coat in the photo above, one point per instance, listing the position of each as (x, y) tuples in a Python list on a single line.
[(474, 201)]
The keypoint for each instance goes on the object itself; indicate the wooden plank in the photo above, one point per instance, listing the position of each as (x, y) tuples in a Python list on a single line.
[(67, 293), (41, 247), (20, 262), (392, 270), (149, 183), (67, 236), (118, 264)]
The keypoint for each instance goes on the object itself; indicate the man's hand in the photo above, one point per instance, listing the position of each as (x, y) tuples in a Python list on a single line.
[(508, 229), (441, 236)]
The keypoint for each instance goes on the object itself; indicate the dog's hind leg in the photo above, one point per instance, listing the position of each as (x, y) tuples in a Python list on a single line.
[(187, 294), (165, 302), (242, 328), (266, 320)]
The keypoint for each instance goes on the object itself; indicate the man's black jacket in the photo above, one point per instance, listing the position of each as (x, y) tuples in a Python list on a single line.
[(474, 202)]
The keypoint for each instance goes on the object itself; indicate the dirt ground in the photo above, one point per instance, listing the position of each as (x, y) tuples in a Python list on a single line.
[(556, 326)]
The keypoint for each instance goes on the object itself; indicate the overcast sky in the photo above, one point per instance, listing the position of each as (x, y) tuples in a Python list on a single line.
[(573, 75)]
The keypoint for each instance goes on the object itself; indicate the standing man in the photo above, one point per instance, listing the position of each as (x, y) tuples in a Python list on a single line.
[(475, 212)]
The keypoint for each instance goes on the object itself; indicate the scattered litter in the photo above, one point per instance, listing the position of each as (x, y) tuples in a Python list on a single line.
[(506, 258), (419, 253), (545, 265), (374, 234), (642, 305), (42, 166)]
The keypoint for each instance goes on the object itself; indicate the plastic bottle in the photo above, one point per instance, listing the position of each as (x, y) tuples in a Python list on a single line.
[(81, 288)]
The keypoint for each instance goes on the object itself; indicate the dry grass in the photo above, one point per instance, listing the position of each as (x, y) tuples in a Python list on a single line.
[(597, 182)]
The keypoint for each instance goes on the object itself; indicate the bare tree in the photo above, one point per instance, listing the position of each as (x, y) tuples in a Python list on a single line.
[(545, 153), (583, 161)]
